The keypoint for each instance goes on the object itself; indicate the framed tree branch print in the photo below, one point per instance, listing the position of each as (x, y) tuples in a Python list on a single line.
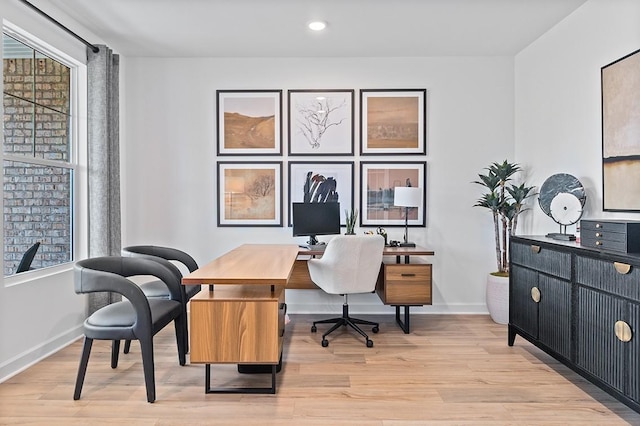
[(393, 121), (378, 180), (249, 122), (320, 122), (321, 182), (249, 194)]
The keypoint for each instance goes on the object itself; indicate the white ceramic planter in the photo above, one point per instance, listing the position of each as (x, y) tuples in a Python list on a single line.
[(498, 298)]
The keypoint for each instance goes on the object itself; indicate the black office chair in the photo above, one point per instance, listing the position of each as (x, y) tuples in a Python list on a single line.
[(156, 288), (135, 318), (350, 264), (27, 258)]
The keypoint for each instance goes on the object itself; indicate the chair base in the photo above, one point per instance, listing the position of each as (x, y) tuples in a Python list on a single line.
[(346, 320)]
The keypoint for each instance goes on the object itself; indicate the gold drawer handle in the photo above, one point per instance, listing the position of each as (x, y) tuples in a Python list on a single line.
[(598, 243), (535, 249), (598, 225), (623, 331), (598, 234), (622, 268), (407, 275), (535, 294)]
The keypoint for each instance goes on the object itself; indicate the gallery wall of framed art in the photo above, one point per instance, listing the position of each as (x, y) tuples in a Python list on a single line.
[(320, 164)]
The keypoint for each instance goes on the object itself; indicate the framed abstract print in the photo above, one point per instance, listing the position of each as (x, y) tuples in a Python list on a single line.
[(249, 122), (378, 180), (249, 194), (393, 121), (621, 134), (320, 122), (322, 182)]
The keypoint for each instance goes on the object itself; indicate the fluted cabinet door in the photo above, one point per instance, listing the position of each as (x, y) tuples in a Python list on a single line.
[(598, 349), (554, 313), (523, 310), (634, 352)]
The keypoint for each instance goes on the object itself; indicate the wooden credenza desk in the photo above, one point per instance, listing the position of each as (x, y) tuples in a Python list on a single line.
[(241, 321)]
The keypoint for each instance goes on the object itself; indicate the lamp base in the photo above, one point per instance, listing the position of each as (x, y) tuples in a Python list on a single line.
[(407, 244)]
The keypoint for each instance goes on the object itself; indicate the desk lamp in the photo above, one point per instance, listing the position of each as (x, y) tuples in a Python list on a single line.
[(407, 196)]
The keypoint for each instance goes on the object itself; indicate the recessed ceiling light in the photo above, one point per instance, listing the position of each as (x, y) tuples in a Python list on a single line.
[(317, 25)]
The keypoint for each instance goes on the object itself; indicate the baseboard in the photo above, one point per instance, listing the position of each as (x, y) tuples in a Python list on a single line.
[(379, 309), (30, 357)]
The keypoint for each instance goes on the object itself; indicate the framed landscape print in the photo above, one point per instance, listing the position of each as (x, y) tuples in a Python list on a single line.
[(249, 194), (320, 122), (249, 122), (378, 180), (321, 182), (393, 121), (621, 134)]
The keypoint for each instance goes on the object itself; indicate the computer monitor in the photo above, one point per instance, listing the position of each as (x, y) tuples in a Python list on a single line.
[(312, 219)]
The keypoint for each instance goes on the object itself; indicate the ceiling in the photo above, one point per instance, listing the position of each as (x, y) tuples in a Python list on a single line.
[(277, 28)]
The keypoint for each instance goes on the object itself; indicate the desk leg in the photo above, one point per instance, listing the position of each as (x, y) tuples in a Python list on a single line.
[(209, 389), (404, 326)]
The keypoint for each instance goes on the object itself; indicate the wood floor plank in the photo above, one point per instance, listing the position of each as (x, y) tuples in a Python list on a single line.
[(450, 370)]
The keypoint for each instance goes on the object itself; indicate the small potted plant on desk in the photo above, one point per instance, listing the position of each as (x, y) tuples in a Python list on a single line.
[(505, 200), (351, 217)]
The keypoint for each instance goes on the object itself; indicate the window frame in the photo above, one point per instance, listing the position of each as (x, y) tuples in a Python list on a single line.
[(77, 161)]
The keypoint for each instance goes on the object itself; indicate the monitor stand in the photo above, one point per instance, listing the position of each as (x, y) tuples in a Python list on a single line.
[(313, 240)]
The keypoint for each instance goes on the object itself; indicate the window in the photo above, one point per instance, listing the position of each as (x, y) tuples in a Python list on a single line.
[(38, 156)]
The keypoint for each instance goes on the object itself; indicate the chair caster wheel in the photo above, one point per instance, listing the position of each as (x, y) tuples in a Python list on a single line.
[(375, 329), (325, 343), (369, 343), (314, 329)]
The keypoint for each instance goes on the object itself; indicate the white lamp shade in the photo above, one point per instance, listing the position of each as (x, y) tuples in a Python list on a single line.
[(407, 196)]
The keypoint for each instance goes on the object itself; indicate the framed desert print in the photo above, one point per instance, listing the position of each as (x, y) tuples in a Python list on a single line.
[(320, 122), (249, 194), (249, 122), (321, 182), (378, 181), (393, 121), (621, 134)]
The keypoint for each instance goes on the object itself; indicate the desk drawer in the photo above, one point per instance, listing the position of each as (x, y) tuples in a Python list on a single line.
[(406, 284)]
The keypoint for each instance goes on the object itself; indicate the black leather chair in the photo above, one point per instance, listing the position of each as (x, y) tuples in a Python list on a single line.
[(136, 318), (156, 288), (27, 258)]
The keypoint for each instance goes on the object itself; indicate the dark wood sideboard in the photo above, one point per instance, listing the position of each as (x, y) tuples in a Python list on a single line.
[(581, 305)]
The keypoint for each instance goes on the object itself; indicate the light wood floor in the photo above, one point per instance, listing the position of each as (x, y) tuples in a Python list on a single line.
[(451, 370)]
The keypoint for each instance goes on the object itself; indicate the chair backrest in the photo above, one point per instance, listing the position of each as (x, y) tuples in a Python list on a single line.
[(167, 253), (27, 258), (350, 264)]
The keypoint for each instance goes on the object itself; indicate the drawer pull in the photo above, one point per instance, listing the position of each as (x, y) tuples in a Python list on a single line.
[(535, 294), (598, 234), (598, 243), (598, 225), (623, 331), (535, 249), (622, 268), (407, 275)]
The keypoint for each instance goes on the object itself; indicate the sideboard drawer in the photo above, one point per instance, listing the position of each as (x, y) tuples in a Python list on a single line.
[(616, 278), (542, 258), (406, 284)]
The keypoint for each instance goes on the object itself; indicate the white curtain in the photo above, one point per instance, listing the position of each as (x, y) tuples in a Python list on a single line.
[(104, 161)]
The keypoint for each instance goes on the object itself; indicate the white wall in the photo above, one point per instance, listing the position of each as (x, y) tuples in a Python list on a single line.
[(169, 157), (39, 311), (558, 121)]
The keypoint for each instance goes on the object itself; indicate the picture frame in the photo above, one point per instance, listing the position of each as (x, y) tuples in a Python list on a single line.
[(340, 172), (321, 122), (393, 121), (620, 82), (249, 193), (249, 122), (377, 182)]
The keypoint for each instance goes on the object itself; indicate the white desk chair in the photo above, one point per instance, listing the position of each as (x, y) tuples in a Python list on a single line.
[(350, 264)]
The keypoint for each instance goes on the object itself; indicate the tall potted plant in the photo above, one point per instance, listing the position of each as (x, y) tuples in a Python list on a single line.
[(505, 200)]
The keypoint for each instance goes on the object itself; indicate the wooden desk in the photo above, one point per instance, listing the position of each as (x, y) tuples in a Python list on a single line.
[(399, 284), (242, 321)]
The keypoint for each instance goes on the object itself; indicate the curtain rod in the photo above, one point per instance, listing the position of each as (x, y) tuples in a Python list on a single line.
[(93, 47)]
